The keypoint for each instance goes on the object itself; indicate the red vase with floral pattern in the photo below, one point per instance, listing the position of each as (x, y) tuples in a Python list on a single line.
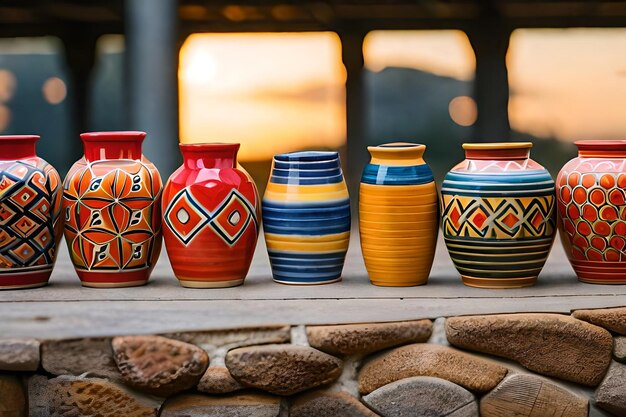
[(30, 207), (210, 216), (112, 209), (592, 211)]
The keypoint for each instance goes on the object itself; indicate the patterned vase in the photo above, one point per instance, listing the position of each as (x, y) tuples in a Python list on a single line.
[(306, 218), (592, 211), (498, 215), (398, 215), (30, 205), (112, 208)]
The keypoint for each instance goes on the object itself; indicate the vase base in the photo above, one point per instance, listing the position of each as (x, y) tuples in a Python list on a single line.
[(602, 281), (23, 286), (398, 283), (498, 283), (114, 284), (210, 284), (24, 280), (308, 282)]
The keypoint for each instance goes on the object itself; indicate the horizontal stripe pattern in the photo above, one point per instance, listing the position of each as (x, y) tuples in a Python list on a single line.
[(306, 218), (397, 175), (499, 184)]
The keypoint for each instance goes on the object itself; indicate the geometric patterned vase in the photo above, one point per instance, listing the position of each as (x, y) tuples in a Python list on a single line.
[(30, 207), (210, 215), (398, 215), (592, 211), (112, 211), (498, 215), (306, 218)]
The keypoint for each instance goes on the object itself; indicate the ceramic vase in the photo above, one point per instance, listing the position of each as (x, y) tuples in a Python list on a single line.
[(592, 211), (306, 218), (210, 215), (498, 215), (398, 215), (30, 207), (112, 209)]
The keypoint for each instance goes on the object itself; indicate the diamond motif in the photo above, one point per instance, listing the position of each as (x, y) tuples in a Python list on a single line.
[(23, 226), (185, 216), (510, 220), (232, 217), (478, 218), (24, 252)]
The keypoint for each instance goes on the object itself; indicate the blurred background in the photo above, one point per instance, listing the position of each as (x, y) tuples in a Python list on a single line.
[(280, 76)]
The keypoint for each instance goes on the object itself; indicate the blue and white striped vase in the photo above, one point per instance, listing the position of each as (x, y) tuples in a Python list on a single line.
[(306, 218)]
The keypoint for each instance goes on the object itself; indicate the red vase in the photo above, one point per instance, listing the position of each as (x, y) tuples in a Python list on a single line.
[(112, 208), (210, 216), (591, 203), (30, 207)]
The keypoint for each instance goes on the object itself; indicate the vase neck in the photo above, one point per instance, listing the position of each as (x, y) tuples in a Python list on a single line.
[(601, 148), (18, 147), (112, 145), (210, 155), (397, 154), (501, 151)]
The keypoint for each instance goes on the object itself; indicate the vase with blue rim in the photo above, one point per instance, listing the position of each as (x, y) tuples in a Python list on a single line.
[(306, 217), (498, 215), (398, 215)]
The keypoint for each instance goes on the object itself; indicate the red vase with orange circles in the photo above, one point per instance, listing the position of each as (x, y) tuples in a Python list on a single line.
[(592, 211), (210, 217)]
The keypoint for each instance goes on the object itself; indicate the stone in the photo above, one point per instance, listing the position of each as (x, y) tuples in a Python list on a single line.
[(523, 395), (550, 344), (329, 404), (422, 396), (282, 369), (360, 339), (218, 380), (611, 393), (619, 348), (613, 319), (19, 355), (471, 372), (233, 338), (158, 365), (234, 405), (75, 397), (12, 397), (90, 356), (38, 396)]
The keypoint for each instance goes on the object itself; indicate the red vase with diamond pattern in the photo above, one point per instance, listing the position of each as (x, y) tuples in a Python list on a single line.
[(592, 211), (30, 207), (112, 210), (210, 217)]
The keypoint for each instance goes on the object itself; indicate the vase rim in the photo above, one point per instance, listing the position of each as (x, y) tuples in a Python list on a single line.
[(306, 156), (394, 146), (113, 136), (486, 146), (209, 145), (20, 137), (601, 145)]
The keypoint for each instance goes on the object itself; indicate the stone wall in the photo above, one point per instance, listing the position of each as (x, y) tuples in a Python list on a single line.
[(497, 365)]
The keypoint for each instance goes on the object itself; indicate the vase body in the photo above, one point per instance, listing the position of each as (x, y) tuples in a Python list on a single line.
[(210, 212), (498, 215), (398, 215), (111, 204), (306, 218), (592, 211), (30, 208)]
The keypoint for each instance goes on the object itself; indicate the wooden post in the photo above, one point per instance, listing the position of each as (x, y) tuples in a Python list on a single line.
[(152, 78), (352, 57), (490, 41)]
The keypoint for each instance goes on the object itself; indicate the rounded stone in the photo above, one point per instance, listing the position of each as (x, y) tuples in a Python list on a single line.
[(19, 355), (71, 397), (92, 356), (282, 369), (218, 380), (422, 396), (550, 344), (238, 405), (473, 373), (611, 393), (329, 404), (12, 396), (522, 395), (158, 365), (613, 319), (359, 339), (619, 348)]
